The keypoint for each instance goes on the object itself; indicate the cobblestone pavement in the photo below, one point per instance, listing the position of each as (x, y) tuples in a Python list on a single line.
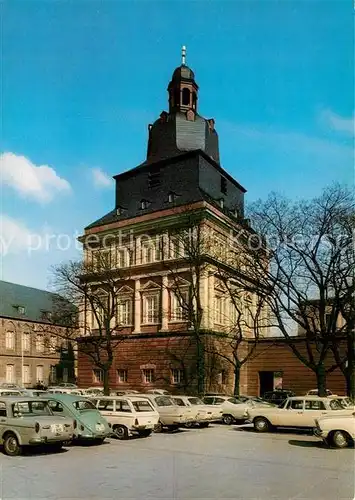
[(215, 463)]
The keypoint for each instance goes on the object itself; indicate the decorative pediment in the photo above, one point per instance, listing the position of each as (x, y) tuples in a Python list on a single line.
[(179, 283), (150, 285), (125, 290)]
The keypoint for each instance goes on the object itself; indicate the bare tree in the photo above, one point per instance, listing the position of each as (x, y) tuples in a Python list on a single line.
[(300, 278), (93, 288)]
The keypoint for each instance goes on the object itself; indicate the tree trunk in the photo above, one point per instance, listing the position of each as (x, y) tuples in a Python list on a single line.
[(236, 380), (200, 366), (321, 380), (106, 381), (350, 369)]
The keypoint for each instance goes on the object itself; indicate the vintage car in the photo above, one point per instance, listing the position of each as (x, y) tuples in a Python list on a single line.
[(278, 396), (10, 392), (128, 416), (337, 430), (162, 392), (315, 392), (299, 411), (28, 422), (33, 393), (233, 409), (204, 414), (89, 424), (171, 416)]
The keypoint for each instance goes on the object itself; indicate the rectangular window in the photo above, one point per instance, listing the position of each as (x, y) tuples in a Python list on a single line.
[(39, 373), (222, 377), (10, 340), (219, 310), (53, 344), (124, 311), (148, 376), (121, 257), (10, 374), (180, 305), (177, 375), (174, 248), (148, 254), (39, 343), (26, 341), (26, 374), (21, 310), (98, 375), (53, 374), (151, 309), (122, 376)]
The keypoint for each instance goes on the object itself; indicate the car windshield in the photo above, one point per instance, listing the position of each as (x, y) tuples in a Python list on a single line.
[(82, 405), (164, 401), (142, 406), (196, 401), (235, 401), (31, 408), (335, 404)]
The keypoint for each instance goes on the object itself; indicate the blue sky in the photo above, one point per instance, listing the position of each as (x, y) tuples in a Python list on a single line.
[(82, 80)]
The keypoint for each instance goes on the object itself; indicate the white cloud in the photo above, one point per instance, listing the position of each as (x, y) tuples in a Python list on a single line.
[(36, 182), (337, 122), (14, 236), (100, 179)]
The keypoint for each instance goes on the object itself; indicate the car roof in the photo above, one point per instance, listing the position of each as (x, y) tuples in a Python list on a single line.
[(124, 397), (313, 398), (65, 397), (16, 399)]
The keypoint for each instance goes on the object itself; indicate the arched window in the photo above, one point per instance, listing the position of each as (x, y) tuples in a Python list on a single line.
[(186, 97), (194, 99)]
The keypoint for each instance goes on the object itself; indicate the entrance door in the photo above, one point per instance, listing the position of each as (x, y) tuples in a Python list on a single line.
[(266, 382)]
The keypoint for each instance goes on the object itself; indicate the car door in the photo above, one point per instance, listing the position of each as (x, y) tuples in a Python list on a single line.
[(291, 414), (3, 417), (313, 409)]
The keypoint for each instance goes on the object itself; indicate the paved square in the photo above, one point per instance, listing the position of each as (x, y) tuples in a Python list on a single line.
[(215, 463)]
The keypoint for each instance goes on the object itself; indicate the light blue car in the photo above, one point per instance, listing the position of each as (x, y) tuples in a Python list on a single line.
[(89, 424)]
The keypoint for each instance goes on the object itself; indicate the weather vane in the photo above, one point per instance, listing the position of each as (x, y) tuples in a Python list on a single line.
[(183, 55)]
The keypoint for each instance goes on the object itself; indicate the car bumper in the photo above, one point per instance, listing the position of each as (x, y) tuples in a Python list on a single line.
[(320, 434), (50, 439)]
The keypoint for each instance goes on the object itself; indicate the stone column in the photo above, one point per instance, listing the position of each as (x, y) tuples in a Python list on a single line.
[(138, 251), (137, 306), (164, 304), (165, 246), (210, 309)]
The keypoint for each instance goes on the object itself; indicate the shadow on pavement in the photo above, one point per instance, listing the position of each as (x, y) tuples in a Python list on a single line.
[(308, 444), (37, 451)]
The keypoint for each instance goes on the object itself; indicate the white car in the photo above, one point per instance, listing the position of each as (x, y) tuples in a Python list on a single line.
[(298, 411), (128, 416), (171, 416), (338, 431), (233, 409), (162, 392), (315, 392), (204, 414)]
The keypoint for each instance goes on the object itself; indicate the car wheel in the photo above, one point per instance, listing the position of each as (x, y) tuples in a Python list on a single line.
[(99, 441), (158, 427), (11, 445), (261, 424), (227, 419), (120, 431), (173, 427), (145, 433), (340, 439), (203, 425)]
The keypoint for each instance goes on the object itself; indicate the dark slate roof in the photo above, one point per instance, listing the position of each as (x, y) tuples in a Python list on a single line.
[(183, 72), (34, 301)]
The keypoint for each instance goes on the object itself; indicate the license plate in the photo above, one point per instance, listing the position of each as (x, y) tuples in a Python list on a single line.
[(56, 428)]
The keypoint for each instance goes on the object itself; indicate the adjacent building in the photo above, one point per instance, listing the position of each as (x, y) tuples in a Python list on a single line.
[(32, 349)]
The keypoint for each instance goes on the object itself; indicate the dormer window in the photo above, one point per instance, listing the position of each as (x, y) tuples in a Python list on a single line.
[(221, 203), (119, 210), (20, 309), (223, 185), (144, 204)]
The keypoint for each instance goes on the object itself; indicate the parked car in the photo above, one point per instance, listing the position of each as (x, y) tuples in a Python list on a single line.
[(204, 414), (30, 422), (163, 392), (10, 392), (92, 391), (337, 430), (128, 415), (123, 392), (233, 409), (89, 424), (171, 416), (66, 390), (68, 385), (254, 399), (315, 392), (277, 396), (33, 393), (300, 411)]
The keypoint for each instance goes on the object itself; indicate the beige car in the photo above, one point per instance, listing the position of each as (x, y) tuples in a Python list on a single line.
[(171, 416), (203, 414), (128, 416), (28, 421), (301, 411), (338, 431)]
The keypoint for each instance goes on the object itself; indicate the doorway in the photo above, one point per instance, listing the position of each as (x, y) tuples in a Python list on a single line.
[(266, 382)]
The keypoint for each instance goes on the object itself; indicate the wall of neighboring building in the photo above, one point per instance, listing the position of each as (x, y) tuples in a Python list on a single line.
[(37, 361), (275, 356)]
